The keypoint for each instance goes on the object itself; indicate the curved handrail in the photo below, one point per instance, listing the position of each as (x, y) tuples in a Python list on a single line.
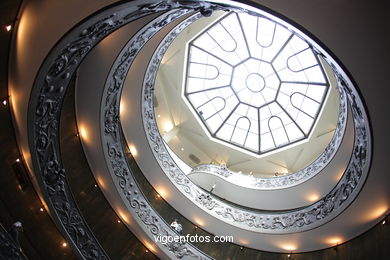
[(219, 170)]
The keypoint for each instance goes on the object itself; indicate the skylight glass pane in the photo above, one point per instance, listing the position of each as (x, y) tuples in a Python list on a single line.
[(305, 122), (310, 107), (207, 73), (304, 59), (264, 37), (317, 92), (241, 130), (265, 32), (266, 142), (225, 40), (239, 136), (293, 132), (213, 106), (225, 132), (279, 136), (252, 113), (252, 142), (295, 63), (315, 74), (214, 123), (197, 99)]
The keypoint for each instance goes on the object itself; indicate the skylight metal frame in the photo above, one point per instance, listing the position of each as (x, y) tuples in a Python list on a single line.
[(285, 112)]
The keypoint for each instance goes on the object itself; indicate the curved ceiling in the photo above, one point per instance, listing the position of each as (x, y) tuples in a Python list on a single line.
[(253, 84), (187, 138), (368, 207), (282, 199)]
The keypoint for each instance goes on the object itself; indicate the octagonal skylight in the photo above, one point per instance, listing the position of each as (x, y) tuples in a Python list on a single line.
[(253, 83)]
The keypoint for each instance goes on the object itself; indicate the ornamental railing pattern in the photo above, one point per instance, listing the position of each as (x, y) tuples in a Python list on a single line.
[(218, 170), (112, 137), (44, 112), (9, 249)]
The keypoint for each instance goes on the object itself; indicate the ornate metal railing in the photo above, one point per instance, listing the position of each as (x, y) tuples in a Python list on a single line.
[(44, 112), (218, 170), (9, 248), (117, 165)]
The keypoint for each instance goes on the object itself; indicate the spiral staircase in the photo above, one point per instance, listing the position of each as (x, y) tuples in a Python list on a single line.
[(93, 170)]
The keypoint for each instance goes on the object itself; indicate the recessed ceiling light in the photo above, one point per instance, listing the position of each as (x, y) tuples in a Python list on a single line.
[(168, 126), (334, 241), (288, 247), (313, 197), (8, 28), (133, 150), (83, 132)]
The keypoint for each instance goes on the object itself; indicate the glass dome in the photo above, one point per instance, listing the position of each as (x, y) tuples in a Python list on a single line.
[(258, 87), (256, 98)]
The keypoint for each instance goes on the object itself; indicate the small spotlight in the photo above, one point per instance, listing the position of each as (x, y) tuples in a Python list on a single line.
[(383, 222), (182, 149), (158, 196), (241, 248), (146, 251), (95, 185), (289, 255), (5, 102), (83, 133), (64, 244), (196, 227), (133, 151), (41, 209), (119, 221), (158, 116), (18, 160), (77, 135), (8, 28)]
